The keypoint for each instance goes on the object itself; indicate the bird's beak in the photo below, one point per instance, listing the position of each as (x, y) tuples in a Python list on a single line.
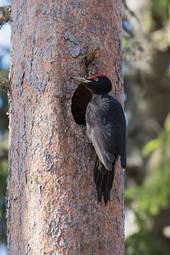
[(81, 80)]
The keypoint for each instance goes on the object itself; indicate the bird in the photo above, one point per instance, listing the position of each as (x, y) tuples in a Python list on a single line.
[(106, 130)]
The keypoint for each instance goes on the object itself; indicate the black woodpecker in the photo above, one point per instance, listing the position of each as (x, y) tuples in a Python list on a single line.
[(106, 130)]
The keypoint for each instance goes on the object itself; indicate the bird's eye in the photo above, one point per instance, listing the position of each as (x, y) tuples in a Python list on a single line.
[(96, 79)]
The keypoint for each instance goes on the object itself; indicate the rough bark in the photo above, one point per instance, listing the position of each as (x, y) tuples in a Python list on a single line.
[(52, 203)]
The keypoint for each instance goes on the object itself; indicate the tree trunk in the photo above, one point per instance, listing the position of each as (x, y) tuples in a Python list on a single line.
[(52, 201)]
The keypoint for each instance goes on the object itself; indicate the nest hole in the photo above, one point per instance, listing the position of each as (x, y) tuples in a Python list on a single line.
[(80, 100)]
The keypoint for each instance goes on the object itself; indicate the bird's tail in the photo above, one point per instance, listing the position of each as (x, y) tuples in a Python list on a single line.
[(103, 180)]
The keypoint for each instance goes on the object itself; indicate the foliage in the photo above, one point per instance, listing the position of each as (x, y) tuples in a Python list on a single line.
[(5, 13), (144, 243), (3, 177), (4, 85), (160, 12), (4, 80), (151, 197), (3, 162)]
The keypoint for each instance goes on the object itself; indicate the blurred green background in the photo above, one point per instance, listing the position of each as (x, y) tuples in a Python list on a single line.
[(4, 65), (146, 67), (147, 87)]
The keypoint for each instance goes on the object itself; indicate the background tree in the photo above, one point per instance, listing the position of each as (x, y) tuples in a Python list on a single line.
[(52, 205)]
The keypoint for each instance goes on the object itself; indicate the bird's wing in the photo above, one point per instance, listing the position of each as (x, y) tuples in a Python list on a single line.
[(101, 131), (101, 140), (105, 119)]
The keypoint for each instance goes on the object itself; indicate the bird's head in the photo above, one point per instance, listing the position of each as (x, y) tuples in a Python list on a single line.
[(97, 84)]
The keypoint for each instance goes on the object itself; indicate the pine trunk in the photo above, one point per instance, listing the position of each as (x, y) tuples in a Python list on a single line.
[(52, 201)]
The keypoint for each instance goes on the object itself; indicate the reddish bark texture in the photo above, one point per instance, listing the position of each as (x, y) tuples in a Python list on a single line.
[(52, 203)]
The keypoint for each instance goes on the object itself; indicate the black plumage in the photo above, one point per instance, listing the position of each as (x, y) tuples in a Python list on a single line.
[(106, 129)]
